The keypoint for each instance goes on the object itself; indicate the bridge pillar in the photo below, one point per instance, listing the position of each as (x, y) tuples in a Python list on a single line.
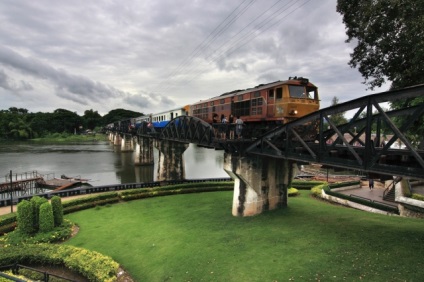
[(117, 139), (143, 151), (127, 143), (111, 136), (260, 184), (170, 161)]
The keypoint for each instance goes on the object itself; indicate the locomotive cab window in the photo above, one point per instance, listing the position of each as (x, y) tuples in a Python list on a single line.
[(312, 93), (279, 93), (297, 91)]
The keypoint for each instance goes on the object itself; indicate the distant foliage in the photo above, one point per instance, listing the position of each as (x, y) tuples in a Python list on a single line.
[(57, 210), (46, 222), (25, 217)]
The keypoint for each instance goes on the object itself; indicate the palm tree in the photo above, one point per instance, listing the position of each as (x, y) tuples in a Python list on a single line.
[(20, 128)]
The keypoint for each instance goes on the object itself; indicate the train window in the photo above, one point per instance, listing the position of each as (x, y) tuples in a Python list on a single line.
[(257, 94), (222, 101), (312, 93), (279, 93), (271, 93), (297, 91)]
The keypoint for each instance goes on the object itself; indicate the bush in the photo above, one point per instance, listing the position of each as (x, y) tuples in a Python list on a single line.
[(292, 192), (25, 218), (317, 190), (7, 223), (36, 202), (57, 210), (305, 185), (46, 218), (92, 265)]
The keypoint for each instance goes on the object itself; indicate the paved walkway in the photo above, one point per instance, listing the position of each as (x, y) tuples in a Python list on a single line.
[(375, 194)]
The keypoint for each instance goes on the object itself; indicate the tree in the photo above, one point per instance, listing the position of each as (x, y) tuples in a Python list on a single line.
[(338, 118), (91, 119), (389, 35), (390, 47), (20, 128)]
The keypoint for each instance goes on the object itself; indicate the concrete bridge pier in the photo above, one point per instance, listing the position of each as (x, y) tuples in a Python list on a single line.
[(127, 143), (170, 161), (117, 139), (143, 151), (260, 184)]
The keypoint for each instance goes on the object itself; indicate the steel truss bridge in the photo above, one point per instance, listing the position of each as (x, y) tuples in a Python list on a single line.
[(374, 140)]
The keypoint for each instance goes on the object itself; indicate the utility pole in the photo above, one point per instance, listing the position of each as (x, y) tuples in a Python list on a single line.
[(11, 192)]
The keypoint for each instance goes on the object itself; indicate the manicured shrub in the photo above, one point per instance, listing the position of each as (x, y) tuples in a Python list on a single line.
[(57, 210), (92, 265), (317, 190), (7, 223), (25, 217), (46, 219), (292, 192), (36, 202)]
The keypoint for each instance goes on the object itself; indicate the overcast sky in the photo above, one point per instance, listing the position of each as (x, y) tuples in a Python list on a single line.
[(153, 55)]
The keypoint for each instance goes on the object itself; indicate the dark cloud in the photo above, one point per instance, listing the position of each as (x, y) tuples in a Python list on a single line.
[(9, 84), (108, 54)]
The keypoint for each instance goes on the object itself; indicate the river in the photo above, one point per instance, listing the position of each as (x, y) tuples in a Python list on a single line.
[(100, 162)]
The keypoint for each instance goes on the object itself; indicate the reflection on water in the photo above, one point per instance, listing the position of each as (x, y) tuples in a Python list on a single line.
[(100, 162)]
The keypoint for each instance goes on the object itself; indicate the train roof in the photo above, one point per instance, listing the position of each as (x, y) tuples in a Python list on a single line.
[(295, 80)]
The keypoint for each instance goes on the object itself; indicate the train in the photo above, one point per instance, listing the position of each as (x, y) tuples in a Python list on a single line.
[(261, 107)]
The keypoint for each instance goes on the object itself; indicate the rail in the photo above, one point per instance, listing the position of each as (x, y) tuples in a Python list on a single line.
[(392, 186), (107, 188), (15, 270)]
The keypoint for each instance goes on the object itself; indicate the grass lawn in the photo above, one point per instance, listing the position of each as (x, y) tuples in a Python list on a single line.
[(194, 237)]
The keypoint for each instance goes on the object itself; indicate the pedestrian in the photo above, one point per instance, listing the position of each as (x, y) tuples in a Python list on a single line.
[(231, 126), (223, 127), (371, 183), (215, 124), (239, 127)]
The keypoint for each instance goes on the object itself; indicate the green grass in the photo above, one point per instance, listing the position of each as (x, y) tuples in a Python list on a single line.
[(194, 237)]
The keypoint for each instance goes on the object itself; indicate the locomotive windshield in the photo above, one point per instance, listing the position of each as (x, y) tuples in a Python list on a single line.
[(297, 91)]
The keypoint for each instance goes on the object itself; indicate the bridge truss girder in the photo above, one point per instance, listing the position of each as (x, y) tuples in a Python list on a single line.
[(188, 129), (366, 142)]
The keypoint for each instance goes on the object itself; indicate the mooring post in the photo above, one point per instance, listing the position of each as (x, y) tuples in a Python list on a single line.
[(11, 192)]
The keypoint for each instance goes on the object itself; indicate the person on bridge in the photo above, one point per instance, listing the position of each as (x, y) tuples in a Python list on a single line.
[(223, 127), (239, 127), (371, 183), (231, 126)]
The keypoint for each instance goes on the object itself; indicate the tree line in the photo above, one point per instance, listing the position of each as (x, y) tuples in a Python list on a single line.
[(19, 124)]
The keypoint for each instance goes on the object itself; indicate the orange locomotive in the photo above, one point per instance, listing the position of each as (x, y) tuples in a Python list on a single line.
[(262, 106)]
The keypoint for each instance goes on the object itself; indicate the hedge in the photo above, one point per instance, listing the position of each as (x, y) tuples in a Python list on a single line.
[(57, 210), (92, 265), (46, 218), (25, 218), (305, 185)]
